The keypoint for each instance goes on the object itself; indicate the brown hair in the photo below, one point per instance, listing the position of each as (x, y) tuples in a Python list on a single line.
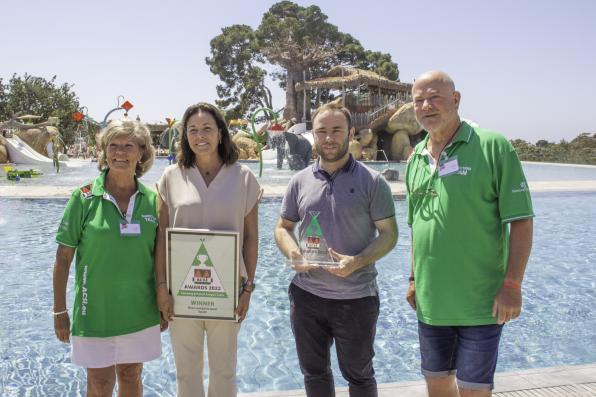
[(226, 149), (132, 129), (334, 107)]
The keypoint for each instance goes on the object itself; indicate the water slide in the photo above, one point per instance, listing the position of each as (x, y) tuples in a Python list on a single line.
[(21, 153)]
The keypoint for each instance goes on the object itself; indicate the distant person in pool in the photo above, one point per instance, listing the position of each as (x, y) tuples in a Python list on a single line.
[(470, 211), (207, 189), (347, 207), (111, 224)]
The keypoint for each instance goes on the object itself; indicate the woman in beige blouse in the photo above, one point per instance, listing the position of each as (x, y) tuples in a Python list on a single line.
[(207, 189)]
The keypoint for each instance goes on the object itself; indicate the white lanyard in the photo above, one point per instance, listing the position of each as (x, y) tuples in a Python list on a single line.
[(129, 210)]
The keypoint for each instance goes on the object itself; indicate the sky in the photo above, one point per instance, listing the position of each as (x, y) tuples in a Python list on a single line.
[(524, 68)]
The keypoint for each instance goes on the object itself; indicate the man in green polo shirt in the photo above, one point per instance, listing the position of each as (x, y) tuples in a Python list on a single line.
[(470, 211)]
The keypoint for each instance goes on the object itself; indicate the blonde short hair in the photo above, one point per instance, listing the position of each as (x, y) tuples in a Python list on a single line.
[(135, 130)]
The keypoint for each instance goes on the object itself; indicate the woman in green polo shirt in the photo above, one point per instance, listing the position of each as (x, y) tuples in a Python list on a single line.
[(110, 224)]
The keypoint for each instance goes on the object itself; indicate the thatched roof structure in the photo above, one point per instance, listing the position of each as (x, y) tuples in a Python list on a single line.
[(339, 77)]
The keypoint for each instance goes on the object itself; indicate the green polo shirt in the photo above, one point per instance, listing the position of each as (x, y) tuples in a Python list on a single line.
[(114, 280), (459, 225)]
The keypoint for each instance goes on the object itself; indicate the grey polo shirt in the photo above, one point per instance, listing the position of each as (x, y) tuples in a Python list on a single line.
[(348, 202)]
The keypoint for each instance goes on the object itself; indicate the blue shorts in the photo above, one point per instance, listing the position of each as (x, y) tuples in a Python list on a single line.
[(469, 352)]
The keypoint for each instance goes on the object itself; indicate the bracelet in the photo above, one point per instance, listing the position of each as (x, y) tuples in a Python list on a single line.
[(60, 312), (249, 286), (411, 278), (507, 283)]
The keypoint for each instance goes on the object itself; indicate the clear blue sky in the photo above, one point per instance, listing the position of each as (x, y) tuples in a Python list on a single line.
[(524, 68)]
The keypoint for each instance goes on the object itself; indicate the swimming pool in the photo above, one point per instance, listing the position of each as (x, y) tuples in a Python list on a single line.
[(557, 326), (82, 171)]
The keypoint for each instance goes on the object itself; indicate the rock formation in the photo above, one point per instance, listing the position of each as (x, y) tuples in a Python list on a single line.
[(404, 120), (356, 149), (246, 146), (399, 142), (366, 137), (35, 135), (38, 138), (394, 134)]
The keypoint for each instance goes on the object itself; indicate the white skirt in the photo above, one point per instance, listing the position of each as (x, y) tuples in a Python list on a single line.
[(138, 347)]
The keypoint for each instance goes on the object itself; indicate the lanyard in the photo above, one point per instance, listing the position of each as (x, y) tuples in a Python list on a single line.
[(417, 189)]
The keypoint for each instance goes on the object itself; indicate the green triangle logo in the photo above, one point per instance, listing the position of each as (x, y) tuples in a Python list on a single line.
[(313, 244), (202, 257), (202, 279), (314, 228)]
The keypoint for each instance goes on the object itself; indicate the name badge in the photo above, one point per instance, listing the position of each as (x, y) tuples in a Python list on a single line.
[(448, 167), (130, 229)]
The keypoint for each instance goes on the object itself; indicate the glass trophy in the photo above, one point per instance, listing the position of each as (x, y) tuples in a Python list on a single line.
[(313, 246)]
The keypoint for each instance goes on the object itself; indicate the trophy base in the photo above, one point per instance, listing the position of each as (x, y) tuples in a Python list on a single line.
[(293, 263)]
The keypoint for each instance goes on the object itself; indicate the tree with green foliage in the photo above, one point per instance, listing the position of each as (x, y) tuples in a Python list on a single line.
[(36, 95), (297, 39), (243, 88), (581, 150)]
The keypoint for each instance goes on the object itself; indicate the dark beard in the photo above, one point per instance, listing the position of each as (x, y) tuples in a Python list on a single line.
[(341, 151)]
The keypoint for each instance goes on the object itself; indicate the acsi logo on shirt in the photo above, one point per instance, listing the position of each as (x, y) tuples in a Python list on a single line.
[(464, 170), (149, 218), (86, 191), (85, 296), (522, 188)]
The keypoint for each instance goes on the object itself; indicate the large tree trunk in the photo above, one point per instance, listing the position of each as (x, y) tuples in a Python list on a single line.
[(293, 107), (308, 94)]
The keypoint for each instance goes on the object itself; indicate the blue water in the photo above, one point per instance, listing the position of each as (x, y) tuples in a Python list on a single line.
[(559, 172), (81, 172), (557, 327)]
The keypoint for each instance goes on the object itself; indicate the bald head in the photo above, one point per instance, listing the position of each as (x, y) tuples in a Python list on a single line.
[(437, 77), (436, 103)]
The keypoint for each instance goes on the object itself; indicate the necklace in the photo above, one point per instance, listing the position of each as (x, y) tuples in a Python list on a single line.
[(213, 171), (209, 175)]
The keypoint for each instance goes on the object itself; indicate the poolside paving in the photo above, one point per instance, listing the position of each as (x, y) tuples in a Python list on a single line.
[(397, 188), (568, 381)]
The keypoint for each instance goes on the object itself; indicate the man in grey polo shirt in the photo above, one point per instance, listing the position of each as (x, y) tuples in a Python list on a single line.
[(355, 216)]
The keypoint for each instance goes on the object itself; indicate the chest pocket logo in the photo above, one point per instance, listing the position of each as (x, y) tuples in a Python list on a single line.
[(464, 170), (150, 218)]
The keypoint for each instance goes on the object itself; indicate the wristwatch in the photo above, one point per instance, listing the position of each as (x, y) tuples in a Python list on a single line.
[(248, 286)]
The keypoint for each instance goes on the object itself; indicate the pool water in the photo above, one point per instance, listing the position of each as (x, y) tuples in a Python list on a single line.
[(81, 171), (557, 326), (558, 172)]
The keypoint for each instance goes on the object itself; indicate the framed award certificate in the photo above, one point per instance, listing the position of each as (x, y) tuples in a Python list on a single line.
[(203, 273)]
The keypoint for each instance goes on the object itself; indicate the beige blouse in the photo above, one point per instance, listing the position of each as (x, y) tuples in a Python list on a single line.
[(222, 206)]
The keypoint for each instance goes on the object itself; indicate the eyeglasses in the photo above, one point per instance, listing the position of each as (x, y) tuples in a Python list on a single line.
[(428, 192), (424, 191)]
